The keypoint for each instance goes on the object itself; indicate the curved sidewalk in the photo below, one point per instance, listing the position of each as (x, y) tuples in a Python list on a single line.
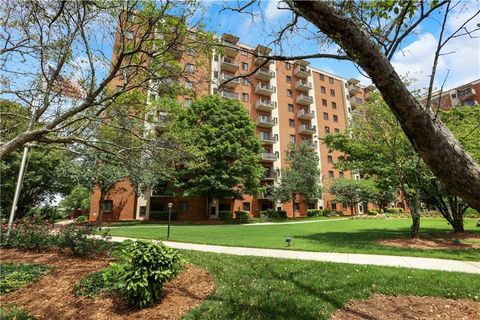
[(351, 258)]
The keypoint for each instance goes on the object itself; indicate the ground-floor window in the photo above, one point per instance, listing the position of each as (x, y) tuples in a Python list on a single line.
[(183, 206), (224, 207), (334, 205), (143, 211), (296, 206), (107, 206), (246, 206)]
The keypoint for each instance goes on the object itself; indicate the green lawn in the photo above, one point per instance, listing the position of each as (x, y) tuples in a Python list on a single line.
[(353, 236), (267, 288), (15, 276)]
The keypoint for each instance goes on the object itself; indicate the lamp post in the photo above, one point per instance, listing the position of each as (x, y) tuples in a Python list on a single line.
[(170, 205)]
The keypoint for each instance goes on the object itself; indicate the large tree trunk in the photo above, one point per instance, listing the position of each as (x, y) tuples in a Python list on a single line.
[(457, 224), (431, 139)]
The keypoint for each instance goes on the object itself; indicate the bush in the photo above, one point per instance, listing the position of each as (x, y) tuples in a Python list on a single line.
[(372, 212), (98, 282), (394, 210), (225, 215), (274, 214), (162, 215), (80, 240), (143, 269), (314, 212), (323, 213), (28, 235), (471, 213), (82, 218), (243, 216)]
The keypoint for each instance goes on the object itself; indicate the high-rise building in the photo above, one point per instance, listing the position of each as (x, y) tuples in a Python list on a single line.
[(465, 95), (289, 102)]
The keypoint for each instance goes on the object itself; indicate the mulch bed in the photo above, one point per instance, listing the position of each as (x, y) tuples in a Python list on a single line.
[(409, 307), (52, 298), (447, 240)]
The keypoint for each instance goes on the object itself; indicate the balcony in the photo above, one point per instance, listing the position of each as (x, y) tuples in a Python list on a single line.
[(268, 156), (262, 51), (302, 72), (307, 129), (230, 43), (265, 105), (464, 94), (270, 175), (353, 89), (229, 94), (265, 122), (304, 99), (303, 85), (229, 64), (266, 138), (354, 101), (264, 89), (305, 114), (312, 145), (227, 82), (264, 74)]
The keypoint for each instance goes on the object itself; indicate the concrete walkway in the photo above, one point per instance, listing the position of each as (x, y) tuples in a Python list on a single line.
[(351, 258)]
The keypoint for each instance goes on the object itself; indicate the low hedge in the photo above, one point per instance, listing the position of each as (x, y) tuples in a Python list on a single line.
[(323, 213), (162, 215), (225, 215), (243, 216), (471, 213), (273, 214), (394, 210), (373, 212)]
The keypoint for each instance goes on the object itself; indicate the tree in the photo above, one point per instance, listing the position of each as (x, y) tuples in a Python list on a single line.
[(77, 199), (300, 179), (369, 34), (54, 61), (352, 192), (227, 161)]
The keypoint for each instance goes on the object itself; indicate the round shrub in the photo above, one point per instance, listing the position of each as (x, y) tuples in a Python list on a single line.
[(28, 234), (225, 215), (143, 269), (394, 210), (274, 214), (243, 216), (82, 218), (80, 240)]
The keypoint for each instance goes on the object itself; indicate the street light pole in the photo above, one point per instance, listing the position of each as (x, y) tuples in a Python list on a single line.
[(170, 205), (17, 189)]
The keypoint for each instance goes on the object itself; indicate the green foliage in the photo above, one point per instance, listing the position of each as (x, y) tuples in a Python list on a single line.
[(301, 177), (80, 241), (10, 311), (15, 276), (394, 210), (222, 137), (323, 213), (82, 218), (243, 216), (162, 215), (471, 213), (274, 214), (143, 269), (353, 192), (225, 215), (29, 234), (78, 199), (373, 212), (103, 281)]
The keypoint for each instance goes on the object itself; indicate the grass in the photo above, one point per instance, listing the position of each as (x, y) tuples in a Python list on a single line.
[(11, 311), (351, 236), (15, 276), (267, 288)]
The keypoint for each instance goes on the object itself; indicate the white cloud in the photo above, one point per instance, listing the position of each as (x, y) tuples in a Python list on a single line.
[(272, 10)]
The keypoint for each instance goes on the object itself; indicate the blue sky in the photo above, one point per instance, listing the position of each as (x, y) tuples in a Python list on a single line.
[(462, 63)]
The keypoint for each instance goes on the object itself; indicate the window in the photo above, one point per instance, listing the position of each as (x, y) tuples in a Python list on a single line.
[(289, 79), (291, 122), (107, 206), (322, 77), (325, 116), (322, 89), (335, 118), (332, 92), (277, 155), (244, 66), (118, 88), (330, 80), (327, 130), (334, 206), (337, 130), (296, 206), (245, 97), (289, 93), (340, 174), (334, 105), (292, 138), (215, 57), (183, 206), (188, 102), (329, 159), (245, 82), (215, 74), (246, 206), (143, 211), (324, 102), (190, 68), (331, 174), (290, 107), (454, 96), (288, 65), (275, 137)]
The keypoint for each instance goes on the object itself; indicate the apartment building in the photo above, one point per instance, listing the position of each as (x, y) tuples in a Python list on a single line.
[(465, 95), (289, 102)]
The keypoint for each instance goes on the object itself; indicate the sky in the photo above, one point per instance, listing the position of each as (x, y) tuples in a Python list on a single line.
[(462, 63)]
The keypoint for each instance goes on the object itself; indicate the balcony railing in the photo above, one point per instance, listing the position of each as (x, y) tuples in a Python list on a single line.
[(353, 89), (265, 105), (264, 89), (266, 138), (268, 156), (354, 101), (307, 129), (265, 122), (303, 85), (270, 175), (264, 74), (229, 94), (305, 114), (229, 64), (228, 81), (231, 49), (304, 99), (302, 71)]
